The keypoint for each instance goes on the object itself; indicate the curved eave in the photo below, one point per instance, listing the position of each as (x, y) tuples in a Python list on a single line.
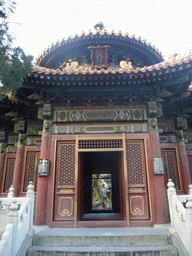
[(54, 51), (156, 70)]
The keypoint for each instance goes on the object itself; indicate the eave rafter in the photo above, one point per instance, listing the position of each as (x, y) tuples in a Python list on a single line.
[(146, 75)]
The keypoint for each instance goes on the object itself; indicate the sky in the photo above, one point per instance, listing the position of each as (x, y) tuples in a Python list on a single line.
[(166, 24)]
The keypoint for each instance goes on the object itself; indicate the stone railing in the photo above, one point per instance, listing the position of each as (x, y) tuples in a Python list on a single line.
[(19, 229), (180, 207)]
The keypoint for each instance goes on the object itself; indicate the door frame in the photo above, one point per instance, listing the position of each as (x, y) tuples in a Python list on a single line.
[(76, 138), (118, 170), (123, 178)]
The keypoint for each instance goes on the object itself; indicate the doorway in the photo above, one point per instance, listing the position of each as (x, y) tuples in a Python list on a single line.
[(100, 175)]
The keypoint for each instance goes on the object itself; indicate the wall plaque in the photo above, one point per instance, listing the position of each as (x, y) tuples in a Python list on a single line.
[(99, 56), (158, 165), (43, 167)]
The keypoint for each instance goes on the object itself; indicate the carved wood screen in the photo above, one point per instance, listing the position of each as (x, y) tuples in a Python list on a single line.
[(171, 166), (30, 169), (101, 144), (64, 181), (8, 172), (137, 180)]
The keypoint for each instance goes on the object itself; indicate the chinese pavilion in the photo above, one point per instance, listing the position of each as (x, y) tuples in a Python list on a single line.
[(99, 126)]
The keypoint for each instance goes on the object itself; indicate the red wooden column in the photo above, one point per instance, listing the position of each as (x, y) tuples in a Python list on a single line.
[(2, 163), (158, 179), (19, 161), (42, 181), (183, 162)]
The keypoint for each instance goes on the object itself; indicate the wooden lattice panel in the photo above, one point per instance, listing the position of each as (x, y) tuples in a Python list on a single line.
[(67, 165), (9, 174), (190, 165), (172, 167), (134, 159), (98, 144), (137, 181), (30, 169), (64, 181)]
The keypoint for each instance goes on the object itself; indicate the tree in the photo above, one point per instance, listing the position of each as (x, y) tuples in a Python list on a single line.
[(6, 8), (14, 64)]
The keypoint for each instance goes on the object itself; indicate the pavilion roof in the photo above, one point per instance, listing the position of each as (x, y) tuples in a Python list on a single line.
[(119, 43), (166, 81)]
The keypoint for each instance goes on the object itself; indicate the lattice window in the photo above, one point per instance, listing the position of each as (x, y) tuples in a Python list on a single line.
[(134, 163), (9, 174), (31, 164), (190, 165), (171, 166), (67, 165), (94, 144)]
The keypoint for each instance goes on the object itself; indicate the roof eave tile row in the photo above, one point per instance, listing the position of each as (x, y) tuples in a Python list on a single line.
[(147, 69)]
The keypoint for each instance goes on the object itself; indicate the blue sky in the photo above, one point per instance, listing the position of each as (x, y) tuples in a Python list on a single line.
[(167, 24)]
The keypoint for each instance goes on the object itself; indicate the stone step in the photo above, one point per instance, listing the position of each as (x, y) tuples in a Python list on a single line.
[(102, 242), (167, 250), (101, 237), (93, 241)]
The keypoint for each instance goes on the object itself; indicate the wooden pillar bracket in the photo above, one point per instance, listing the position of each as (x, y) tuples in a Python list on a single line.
[(47, 126), (179, 135), (3, 147), (152, 124)]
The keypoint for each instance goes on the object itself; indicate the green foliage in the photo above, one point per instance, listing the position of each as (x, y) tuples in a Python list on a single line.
[(14, 68), (14, 64), (6, 8)]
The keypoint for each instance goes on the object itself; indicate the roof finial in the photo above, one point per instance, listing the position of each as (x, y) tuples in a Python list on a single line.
[(99, 26)]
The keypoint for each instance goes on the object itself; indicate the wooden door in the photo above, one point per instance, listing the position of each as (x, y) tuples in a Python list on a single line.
[(137, 181), (64, 181)]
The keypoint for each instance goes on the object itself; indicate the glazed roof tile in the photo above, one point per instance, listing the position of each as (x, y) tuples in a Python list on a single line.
[(49, 54), (162, 65)]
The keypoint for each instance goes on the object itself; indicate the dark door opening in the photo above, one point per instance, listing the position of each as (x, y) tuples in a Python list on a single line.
[(100, 185)]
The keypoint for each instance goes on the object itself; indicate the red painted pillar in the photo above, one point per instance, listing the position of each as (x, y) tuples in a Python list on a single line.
[(3, 146), (183, 162), (161, 211), (2, 164), (158, 182), (19, 161), (41, 198)]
